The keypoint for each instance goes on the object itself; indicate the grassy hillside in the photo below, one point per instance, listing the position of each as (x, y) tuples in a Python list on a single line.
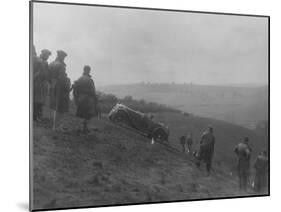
[(113, 165)]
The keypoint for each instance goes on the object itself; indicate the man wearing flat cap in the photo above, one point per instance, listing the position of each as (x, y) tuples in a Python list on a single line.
[(84, 93), (40, 83), (243, 152), (57, 66), (206, 149), (59, 89)]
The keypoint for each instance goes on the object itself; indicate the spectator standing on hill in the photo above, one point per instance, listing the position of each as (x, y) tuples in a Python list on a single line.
[(243, 152), (189, 143), (206, 149), (40, 82), (149, 125), (183, 143), (35, 68), (59, 90), (84, 93), (261, 167)]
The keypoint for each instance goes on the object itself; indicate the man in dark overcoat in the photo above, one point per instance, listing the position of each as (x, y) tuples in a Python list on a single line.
[(59, 90), (206, 149), (85, 97), (243, 152), (40, 83)]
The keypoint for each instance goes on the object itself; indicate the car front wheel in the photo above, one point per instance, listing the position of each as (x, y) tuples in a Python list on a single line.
[(120, 117)]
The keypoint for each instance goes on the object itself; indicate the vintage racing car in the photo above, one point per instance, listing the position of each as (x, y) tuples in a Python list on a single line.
[(141, 122)]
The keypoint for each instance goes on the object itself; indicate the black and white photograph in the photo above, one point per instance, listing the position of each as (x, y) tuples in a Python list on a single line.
[(136, 105)]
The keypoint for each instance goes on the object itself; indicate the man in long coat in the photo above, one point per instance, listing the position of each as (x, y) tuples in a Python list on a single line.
[(206, 150), (243, 152), (84, 93), (40, 83), (59, 89)]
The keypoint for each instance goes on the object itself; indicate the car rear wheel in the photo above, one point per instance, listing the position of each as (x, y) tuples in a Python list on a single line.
[(160, 135)]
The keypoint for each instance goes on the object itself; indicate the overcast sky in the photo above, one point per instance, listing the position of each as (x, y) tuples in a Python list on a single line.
[(127, 45)]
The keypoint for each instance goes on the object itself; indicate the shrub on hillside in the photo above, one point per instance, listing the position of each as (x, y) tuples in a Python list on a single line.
[(107, 102)]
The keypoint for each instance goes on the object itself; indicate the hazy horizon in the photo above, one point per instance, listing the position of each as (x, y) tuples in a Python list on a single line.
[(125, 46), (249, 85)]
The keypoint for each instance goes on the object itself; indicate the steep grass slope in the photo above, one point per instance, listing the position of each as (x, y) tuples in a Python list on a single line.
[(113, 165)]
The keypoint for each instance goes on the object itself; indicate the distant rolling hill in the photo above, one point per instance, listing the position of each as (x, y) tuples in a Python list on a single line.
[(239, 105)]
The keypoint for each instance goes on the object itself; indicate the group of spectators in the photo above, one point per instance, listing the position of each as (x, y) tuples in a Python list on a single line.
[(52, 87), (243, 152)]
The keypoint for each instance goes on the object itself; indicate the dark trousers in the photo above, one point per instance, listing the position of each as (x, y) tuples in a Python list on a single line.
[(189, 147), (243, 174), (208, 165), (206, 156), (260, 182), (183, 148), (37, 110)]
